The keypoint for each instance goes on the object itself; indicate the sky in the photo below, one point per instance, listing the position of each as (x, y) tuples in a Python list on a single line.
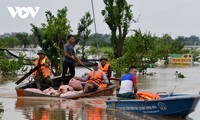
[(174, 17)]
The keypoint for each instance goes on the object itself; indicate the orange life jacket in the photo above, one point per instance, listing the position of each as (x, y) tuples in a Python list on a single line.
[(105, 68), (96, 79), (94, 114), (147, 96), (44, 115), (46, 71)]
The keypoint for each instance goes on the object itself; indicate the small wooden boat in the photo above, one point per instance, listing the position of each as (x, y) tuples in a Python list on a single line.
[(166, 105), (21, 92)]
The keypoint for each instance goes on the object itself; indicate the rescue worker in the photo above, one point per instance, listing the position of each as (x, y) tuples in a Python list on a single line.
[(105, 66), (93, 80), (42, 75)]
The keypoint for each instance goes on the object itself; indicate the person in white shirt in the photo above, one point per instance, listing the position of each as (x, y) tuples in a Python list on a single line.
[(128, 87)]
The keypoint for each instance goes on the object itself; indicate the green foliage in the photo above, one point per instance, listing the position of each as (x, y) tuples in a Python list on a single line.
[(100, 39), (84, 32), (142, 50), (118, 16), (52, 36), (104, 51), (9, 42), (119, 66), (10, 67), (92, 51), (179, 75), (23, 38), (195, 54)]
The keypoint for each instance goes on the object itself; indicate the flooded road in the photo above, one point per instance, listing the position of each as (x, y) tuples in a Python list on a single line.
[(35, 108)]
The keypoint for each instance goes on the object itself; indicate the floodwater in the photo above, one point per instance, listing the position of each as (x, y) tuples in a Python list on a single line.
[(43, 108)]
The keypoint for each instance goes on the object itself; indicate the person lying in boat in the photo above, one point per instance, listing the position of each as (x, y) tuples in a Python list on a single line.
[(128, 87), (93, 80), (65, 88), (76, 84)]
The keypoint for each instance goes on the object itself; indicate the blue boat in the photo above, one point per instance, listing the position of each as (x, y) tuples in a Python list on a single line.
[(166, 105)]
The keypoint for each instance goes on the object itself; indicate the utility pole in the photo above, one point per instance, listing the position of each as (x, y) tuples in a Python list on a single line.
[(95, 28)]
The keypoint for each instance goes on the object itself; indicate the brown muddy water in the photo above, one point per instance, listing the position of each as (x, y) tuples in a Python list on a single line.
[(39, 108)]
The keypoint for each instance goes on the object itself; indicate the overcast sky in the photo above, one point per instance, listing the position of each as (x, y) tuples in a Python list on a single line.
[(175, 17)]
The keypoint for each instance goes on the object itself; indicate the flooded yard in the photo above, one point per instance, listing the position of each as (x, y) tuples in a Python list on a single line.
[(43, 108)]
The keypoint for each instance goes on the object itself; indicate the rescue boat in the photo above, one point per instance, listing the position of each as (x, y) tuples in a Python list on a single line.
[(157, 104), (22, 91)]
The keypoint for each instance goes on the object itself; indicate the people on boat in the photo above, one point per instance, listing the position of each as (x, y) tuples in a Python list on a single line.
[(65, 88), (70, 57), (128, 87), (93, 80), (105, 66), (42, 75), (75, 84)]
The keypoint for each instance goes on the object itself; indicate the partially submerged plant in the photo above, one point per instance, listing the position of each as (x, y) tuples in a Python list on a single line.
[(179, 75), (1, 107)]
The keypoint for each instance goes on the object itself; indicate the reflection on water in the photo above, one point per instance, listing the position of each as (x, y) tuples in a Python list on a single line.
[(34, 108), (45, 109), (83, 109), (122, 115), (6, 79), (58, 109)]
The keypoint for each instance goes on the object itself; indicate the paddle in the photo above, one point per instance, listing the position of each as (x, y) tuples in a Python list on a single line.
[(82, 63), (113, 78), (29, 73), (72, 58)]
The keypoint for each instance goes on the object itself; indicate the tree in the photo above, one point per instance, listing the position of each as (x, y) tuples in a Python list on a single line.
[(118, 16), (11, 67), (33, 39), (84, 32), (103, 40), (9, 42), (23, 37), (52, 36)]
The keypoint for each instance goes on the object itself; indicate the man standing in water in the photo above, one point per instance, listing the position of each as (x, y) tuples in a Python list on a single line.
[(70, 57)]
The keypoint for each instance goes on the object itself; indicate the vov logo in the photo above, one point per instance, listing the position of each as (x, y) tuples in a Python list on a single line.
[(23, 12)]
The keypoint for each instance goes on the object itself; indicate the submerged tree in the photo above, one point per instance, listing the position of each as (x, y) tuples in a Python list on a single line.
[(52, 36), (11, 67), (84, 32), (118, 16), (23, 38)]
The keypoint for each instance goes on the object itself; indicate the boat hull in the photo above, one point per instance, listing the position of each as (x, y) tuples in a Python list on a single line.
[(21, 92), (175, 105)]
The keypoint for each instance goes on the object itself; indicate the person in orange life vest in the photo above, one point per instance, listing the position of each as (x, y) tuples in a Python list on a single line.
[(93, 80), (128, 87), (105, 66), (42, 75)]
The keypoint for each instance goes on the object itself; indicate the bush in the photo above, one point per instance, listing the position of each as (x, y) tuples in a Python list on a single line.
[(10, 67)]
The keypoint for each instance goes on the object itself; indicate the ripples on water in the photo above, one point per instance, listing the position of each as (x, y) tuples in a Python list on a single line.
[(164, 80)]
